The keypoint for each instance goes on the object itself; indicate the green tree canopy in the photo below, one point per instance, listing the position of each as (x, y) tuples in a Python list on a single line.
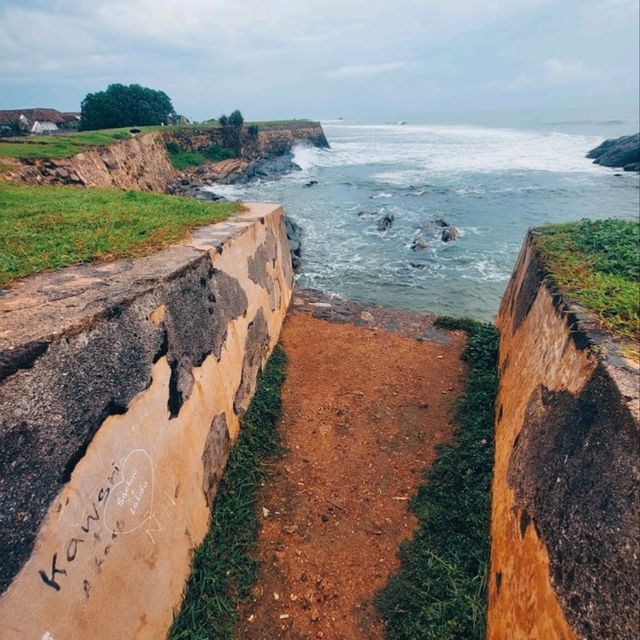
[(125, 106)]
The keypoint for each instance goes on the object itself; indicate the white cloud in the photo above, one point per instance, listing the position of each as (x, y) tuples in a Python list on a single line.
[(68, 32), (567, 72), (365, 70), (556, 72)]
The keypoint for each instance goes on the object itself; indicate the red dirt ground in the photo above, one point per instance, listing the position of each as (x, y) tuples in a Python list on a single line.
[(363, 411)]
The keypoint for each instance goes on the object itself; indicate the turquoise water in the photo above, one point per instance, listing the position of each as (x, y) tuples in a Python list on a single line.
[(490, 183)]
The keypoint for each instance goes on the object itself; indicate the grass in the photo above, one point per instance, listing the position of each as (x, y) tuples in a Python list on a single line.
[(48, 227), (439, 590), (596, 264), (69, 144), (63, 146), (181, 159), (224, 568)]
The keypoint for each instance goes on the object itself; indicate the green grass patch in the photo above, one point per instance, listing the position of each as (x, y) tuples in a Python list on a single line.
[(64, 145), (53, 227), (596, 264), (224, 568), (181, 158), (439, 591)]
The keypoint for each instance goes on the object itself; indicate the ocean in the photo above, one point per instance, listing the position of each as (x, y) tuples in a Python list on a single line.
[(490, 183)]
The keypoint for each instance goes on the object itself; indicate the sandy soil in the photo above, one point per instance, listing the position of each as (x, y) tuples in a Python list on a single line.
[(363, 412)]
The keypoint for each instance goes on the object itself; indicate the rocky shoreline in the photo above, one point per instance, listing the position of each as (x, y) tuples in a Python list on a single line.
[(618, 153), (190, 182)]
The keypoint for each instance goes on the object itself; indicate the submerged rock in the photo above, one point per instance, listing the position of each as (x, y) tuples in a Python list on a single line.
[(385, 222), (419, 243), (311, 183), (618, 152), (450, 234)]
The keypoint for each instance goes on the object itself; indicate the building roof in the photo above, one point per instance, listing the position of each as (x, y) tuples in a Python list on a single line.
[(43, 115)]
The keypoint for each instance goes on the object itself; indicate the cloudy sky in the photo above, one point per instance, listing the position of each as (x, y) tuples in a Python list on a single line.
[(368, 59)]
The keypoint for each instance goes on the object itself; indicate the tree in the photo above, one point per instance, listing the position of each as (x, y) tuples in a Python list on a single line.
[(125, 106), (13, 128), (236, 120), (253, 130)]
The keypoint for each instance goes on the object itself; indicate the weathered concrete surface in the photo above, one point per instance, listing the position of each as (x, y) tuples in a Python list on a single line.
[(566, 508), (121, 388)]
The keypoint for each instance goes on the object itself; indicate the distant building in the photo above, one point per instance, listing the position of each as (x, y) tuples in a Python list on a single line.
[(38, 120)]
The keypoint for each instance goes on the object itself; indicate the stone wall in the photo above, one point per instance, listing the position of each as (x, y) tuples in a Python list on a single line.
[(566, 506), (121, 388)]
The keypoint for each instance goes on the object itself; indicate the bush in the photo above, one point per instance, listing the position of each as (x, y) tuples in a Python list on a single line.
[(252, 130), (182, 159), (125, 106), (215, 153)]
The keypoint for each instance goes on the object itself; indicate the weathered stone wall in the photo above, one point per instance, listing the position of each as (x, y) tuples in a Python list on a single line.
[(566, 507), (121, 388)]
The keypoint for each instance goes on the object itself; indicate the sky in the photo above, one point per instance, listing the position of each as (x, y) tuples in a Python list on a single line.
[(372, 60)]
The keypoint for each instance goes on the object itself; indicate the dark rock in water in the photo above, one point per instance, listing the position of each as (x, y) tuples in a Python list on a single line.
[(385, 222), (418, 265), (441, 222), (208, 195), (364, 214), (185, 182), (294, 237), (618, 175), (419, 243), (266, 169), (450, 234), (311, 183), (618, 152)]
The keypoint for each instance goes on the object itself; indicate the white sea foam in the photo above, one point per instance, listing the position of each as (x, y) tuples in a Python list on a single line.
[(431, 148)]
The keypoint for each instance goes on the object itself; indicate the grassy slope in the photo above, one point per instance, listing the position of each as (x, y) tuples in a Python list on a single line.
[(62, 146), (223, 566), (67, 145), (439, 591), (597, 265), (52, 227)]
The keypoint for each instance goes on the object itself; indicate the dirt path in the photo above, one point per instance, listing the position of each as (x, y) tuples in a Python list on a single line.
[(363, 411)]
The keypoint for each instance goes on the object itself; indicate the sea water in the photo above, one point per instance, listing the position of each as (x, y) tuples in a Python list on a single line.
[(490, 183)]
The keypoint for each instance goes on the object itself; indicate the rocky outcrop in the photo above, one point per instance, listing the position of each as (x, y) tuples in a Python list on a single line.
[(621, 152), (565, 496), (139, 163), (142, 163), (121, 389), (272, 139), (294, 238)]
